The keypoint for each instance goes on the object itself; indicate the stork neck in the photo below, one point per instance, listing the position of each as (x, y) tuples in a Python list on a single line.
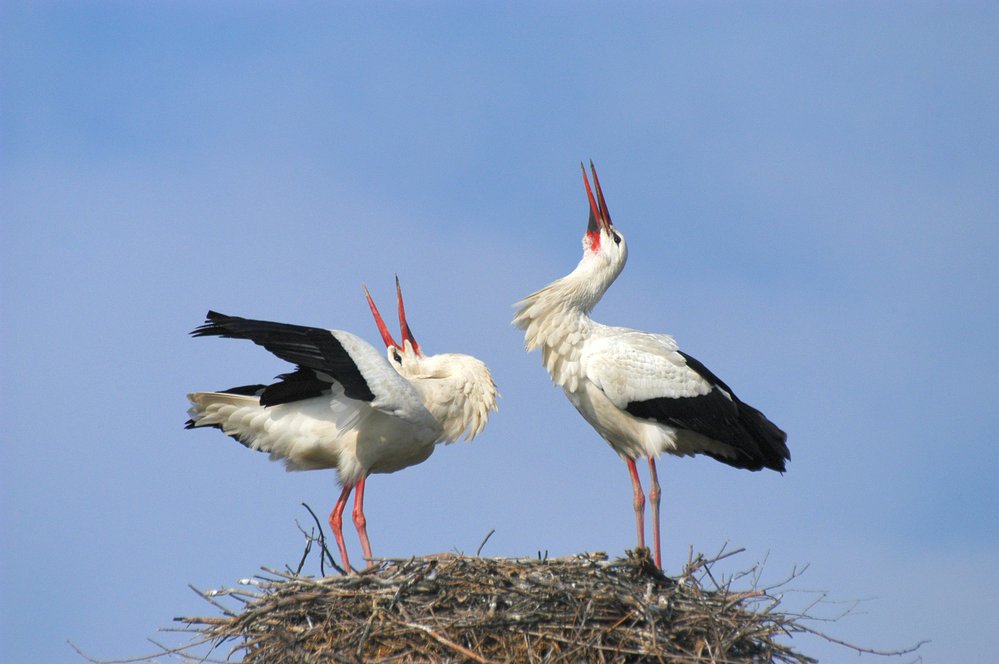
[(582, 288), (556, 319), (564, 319)]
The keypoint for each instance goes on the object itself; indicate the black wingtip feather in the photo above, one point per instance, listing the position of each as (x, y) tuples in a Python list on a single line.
[(771, 439), (309, 347), (295, 386), (754, 442), (757, 441), (214, 325), (246, 390)]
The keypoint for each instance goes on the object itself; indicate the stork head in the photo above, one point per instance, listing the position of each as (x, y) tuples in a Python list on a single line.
[(458, 390), (602, 242), (542, 314), (399, 354)]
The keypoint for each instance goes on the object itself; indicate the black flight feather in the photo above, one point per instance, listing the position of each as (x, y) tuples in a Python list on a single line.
[(300, 384), (756, 441), (311, 348)]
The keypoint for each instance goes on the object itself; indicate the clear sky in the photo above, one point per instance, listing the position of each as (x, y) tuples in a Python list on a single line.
[(810, 194)]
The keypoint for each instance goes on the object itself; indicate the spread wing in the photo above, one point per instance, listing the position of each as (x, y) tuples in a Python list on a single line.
[(323, 358)]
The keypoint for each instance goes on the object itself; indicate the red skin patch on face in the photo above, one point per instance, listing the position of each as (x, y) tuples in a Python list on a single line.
[(598, 216), (593, 240)]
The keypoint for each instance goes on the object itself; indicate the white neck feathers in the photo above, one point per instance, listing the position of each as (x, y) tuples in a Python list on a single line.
[(556, 318), (459, 392)]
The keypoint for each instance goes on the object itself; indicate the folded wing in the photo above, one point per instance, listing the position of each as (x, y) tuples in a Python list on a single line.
[(648, 377)]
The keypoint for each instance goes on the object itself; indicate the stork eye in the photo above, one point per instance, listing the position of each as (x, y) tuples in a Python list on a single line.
[(396, 356), (617, 238)]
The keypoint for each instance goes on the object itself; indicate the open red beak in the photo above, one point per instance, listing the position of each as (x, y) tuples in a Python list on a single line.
[(386, 335), (599, 216), (407, 334)]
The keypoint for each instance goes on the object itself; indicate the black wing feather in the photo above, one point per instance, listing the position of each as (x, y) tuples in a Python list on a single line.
[(757, 442), (312, 349), (295, 386)]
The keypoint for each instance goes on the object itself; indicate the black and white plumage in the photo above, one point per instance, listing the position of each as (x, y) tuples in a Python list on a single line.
[(637, 389), (346, 405)]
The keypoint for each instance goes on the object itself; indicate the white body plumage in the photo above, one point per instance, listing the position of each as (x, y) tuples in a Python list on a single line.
[(420, 401)]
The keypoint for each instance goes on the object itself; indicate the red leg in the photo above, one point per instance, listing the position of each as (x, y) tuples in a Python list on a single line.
[(336, 525), (360, 522), (639, 503), (654, 494)]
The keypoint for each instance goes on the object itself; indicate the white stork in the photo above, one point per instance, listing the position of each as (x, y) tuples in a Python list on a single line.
[(346, 406), (637, 389)]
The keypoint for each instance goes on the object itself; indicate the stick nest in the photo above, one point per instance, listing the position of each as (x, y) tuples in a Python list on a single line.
[(456, 608)]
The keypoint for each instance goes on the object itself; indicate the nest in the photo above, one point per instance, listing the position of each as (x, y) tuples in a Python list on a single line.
[(457, 608)]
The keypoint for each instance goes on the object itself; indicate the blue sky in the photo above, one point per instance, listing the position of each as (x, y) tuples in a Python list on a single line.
[(810, 194)]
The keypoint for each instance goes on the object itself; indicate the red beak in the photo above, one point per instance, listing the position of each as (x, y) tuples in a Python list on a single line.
[(407, 334), (605, 213), (386, 335), (599, 216)]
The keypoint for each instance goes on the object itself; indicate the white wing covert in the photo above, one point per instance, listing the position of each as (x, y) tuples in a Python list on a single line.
[(629, 366), (392, 393)]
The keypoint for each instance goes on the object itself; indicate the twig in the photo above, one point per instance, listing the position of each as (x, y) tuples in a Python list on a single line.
[(448, 642), (207, 598), (309, 537), (183, 650), (479, 550), (322, 545), (870, 651)]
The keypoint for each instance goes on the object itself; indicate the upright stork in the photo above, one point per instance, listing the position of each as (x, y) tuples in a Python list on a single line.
[(640, 392)]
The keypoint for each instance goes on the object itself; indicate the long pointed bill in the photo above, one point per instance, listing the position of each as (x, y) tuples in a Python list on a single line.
[(604, 212), (407, 334), (386, 335), (592, 227), (599, 218)]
